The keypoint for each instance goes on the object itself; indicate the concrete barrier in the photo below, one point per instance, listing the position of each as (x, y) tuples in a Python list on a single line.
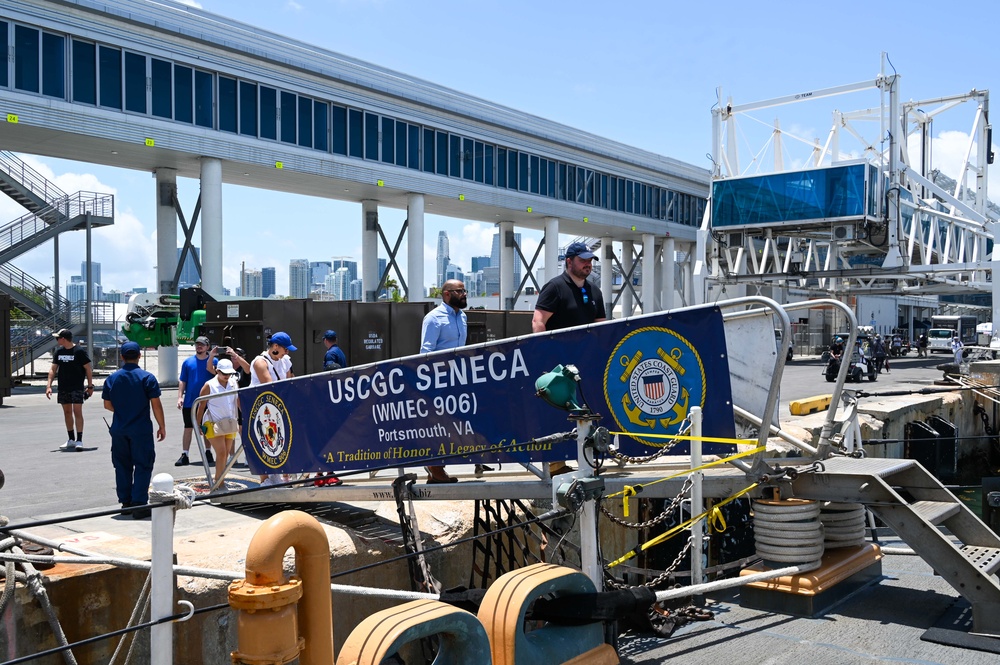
[(807, 405)]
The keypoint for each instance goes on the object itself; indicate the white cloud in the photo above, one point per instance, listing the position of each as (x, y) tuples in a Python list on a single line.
[(191, 3), (292, 5)]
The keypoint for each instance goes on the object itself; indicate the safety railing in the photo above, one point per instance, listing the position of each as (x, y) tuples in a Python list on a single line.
[(18, 170), (67, 208), (41, 294)]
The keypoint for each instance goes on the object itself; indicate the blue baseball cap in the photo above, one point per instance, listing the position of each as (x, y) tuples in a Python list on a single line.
[(330, 334), (282, 339), (130, 350), (579, 249)]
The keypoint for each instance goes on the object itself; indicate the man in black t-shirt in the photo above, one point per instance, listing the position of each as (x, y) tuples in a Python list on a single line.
[(72, 365), (569, 300)]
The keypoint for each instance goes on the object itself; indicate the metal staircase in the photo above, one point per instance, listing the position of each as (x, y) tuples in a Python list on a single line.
[(915, 504), (68, 213), (50, 212), (26, 185)]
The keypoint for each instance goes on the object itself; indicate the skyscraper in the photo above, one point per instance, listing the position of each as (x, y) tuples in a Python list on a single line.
[(479, 262), (299, 278), (95, 267), (253, 284), (189, 273), (268, 279), (443, 257), (494, 286), (76, 290), (318, 271), (341, 284), (345, 262)]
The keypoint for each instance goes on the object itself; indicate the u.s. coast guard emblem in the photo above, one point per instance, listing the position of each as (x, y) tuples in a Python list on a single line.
[(270, 430), (652, 379)]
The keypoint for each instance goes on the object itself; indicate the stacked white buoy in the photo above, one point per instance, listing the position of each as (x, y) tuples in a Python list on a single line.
[(788, 531), (843, 524)]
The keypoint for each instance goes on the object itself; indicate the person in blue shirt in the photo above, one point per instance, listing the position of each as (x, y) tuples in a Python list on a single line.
[(334, 357), (130, 393), (195, 372), (445, 327)]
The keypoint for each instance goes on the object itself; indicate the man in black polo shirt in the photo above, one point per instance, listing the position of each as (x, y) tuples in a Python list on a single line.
[(72, 365), (569, 300)]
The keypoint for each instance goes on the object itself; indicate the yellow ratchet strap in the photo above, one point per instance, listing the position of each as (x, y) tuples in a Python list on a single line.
[(716, 521), (680, 527), (687, 437), (637, 488)]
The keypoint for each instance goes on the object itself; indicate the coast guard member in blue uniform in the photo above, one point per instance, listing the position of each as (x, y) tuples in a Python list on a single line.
[(129, 393), (334, 357)]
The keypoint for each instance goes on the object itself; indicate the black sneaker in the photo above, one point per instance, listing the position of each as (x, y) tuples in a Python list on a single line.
[(142, 514), (209, 457), (182, 460)]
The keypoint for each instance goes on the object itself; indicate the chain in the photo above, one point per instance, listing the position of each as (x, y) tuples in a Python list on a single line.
[(977, 409), (610, 580), (667, 511), (626, 459)]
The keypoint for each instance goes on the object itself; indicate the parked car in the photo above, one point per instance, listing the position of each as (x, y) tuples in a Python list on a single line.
[(777, 342), (103, 339)]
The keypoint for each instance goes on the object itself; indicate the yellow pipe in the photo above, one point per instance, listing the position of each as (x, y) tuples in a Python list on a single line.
[(294, 528)]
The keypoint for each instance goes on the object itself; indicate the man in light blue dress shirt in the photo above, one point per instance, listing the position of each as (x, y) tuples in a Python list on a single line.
[(445, 327)]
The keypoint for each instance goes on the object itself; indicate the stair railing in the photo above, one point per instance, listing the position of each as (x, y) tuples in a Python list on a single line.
[(15, 167), (66, 208)]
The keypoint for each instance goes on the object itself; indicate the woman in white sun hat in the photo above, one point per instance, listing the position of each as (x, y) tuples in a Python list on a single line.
[(219, 416)]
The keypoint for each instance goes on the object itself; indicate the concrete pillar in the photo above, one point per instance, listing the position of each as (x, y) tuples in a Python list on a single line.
[(648, 273), (658, 274), (687, 270), (669, 287), (553, 266), (166, 262), (211, 226), (506, 265), (415, 247), (369, 250), (607, 271), (627, 301)]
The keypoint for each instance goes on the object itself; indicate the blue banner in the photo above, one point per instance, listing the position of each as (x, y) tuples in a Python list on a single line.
[(642, 375)]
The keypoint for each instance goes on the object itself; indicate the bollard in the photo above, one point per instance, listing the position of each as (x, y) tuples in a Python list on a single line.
[(161, 589)]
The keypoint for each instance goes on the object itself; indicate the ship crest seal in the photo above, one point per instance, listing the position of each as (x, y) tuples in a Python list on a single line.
[(652, 379), (270, 430)]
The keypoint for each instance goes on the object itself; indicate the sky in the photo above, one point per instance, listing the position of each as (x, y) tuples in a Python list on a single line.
[(644, 73)]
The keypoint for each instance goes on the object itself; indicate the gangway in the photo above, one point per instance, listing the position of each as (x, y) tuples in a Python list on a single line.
[(861, 211)]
